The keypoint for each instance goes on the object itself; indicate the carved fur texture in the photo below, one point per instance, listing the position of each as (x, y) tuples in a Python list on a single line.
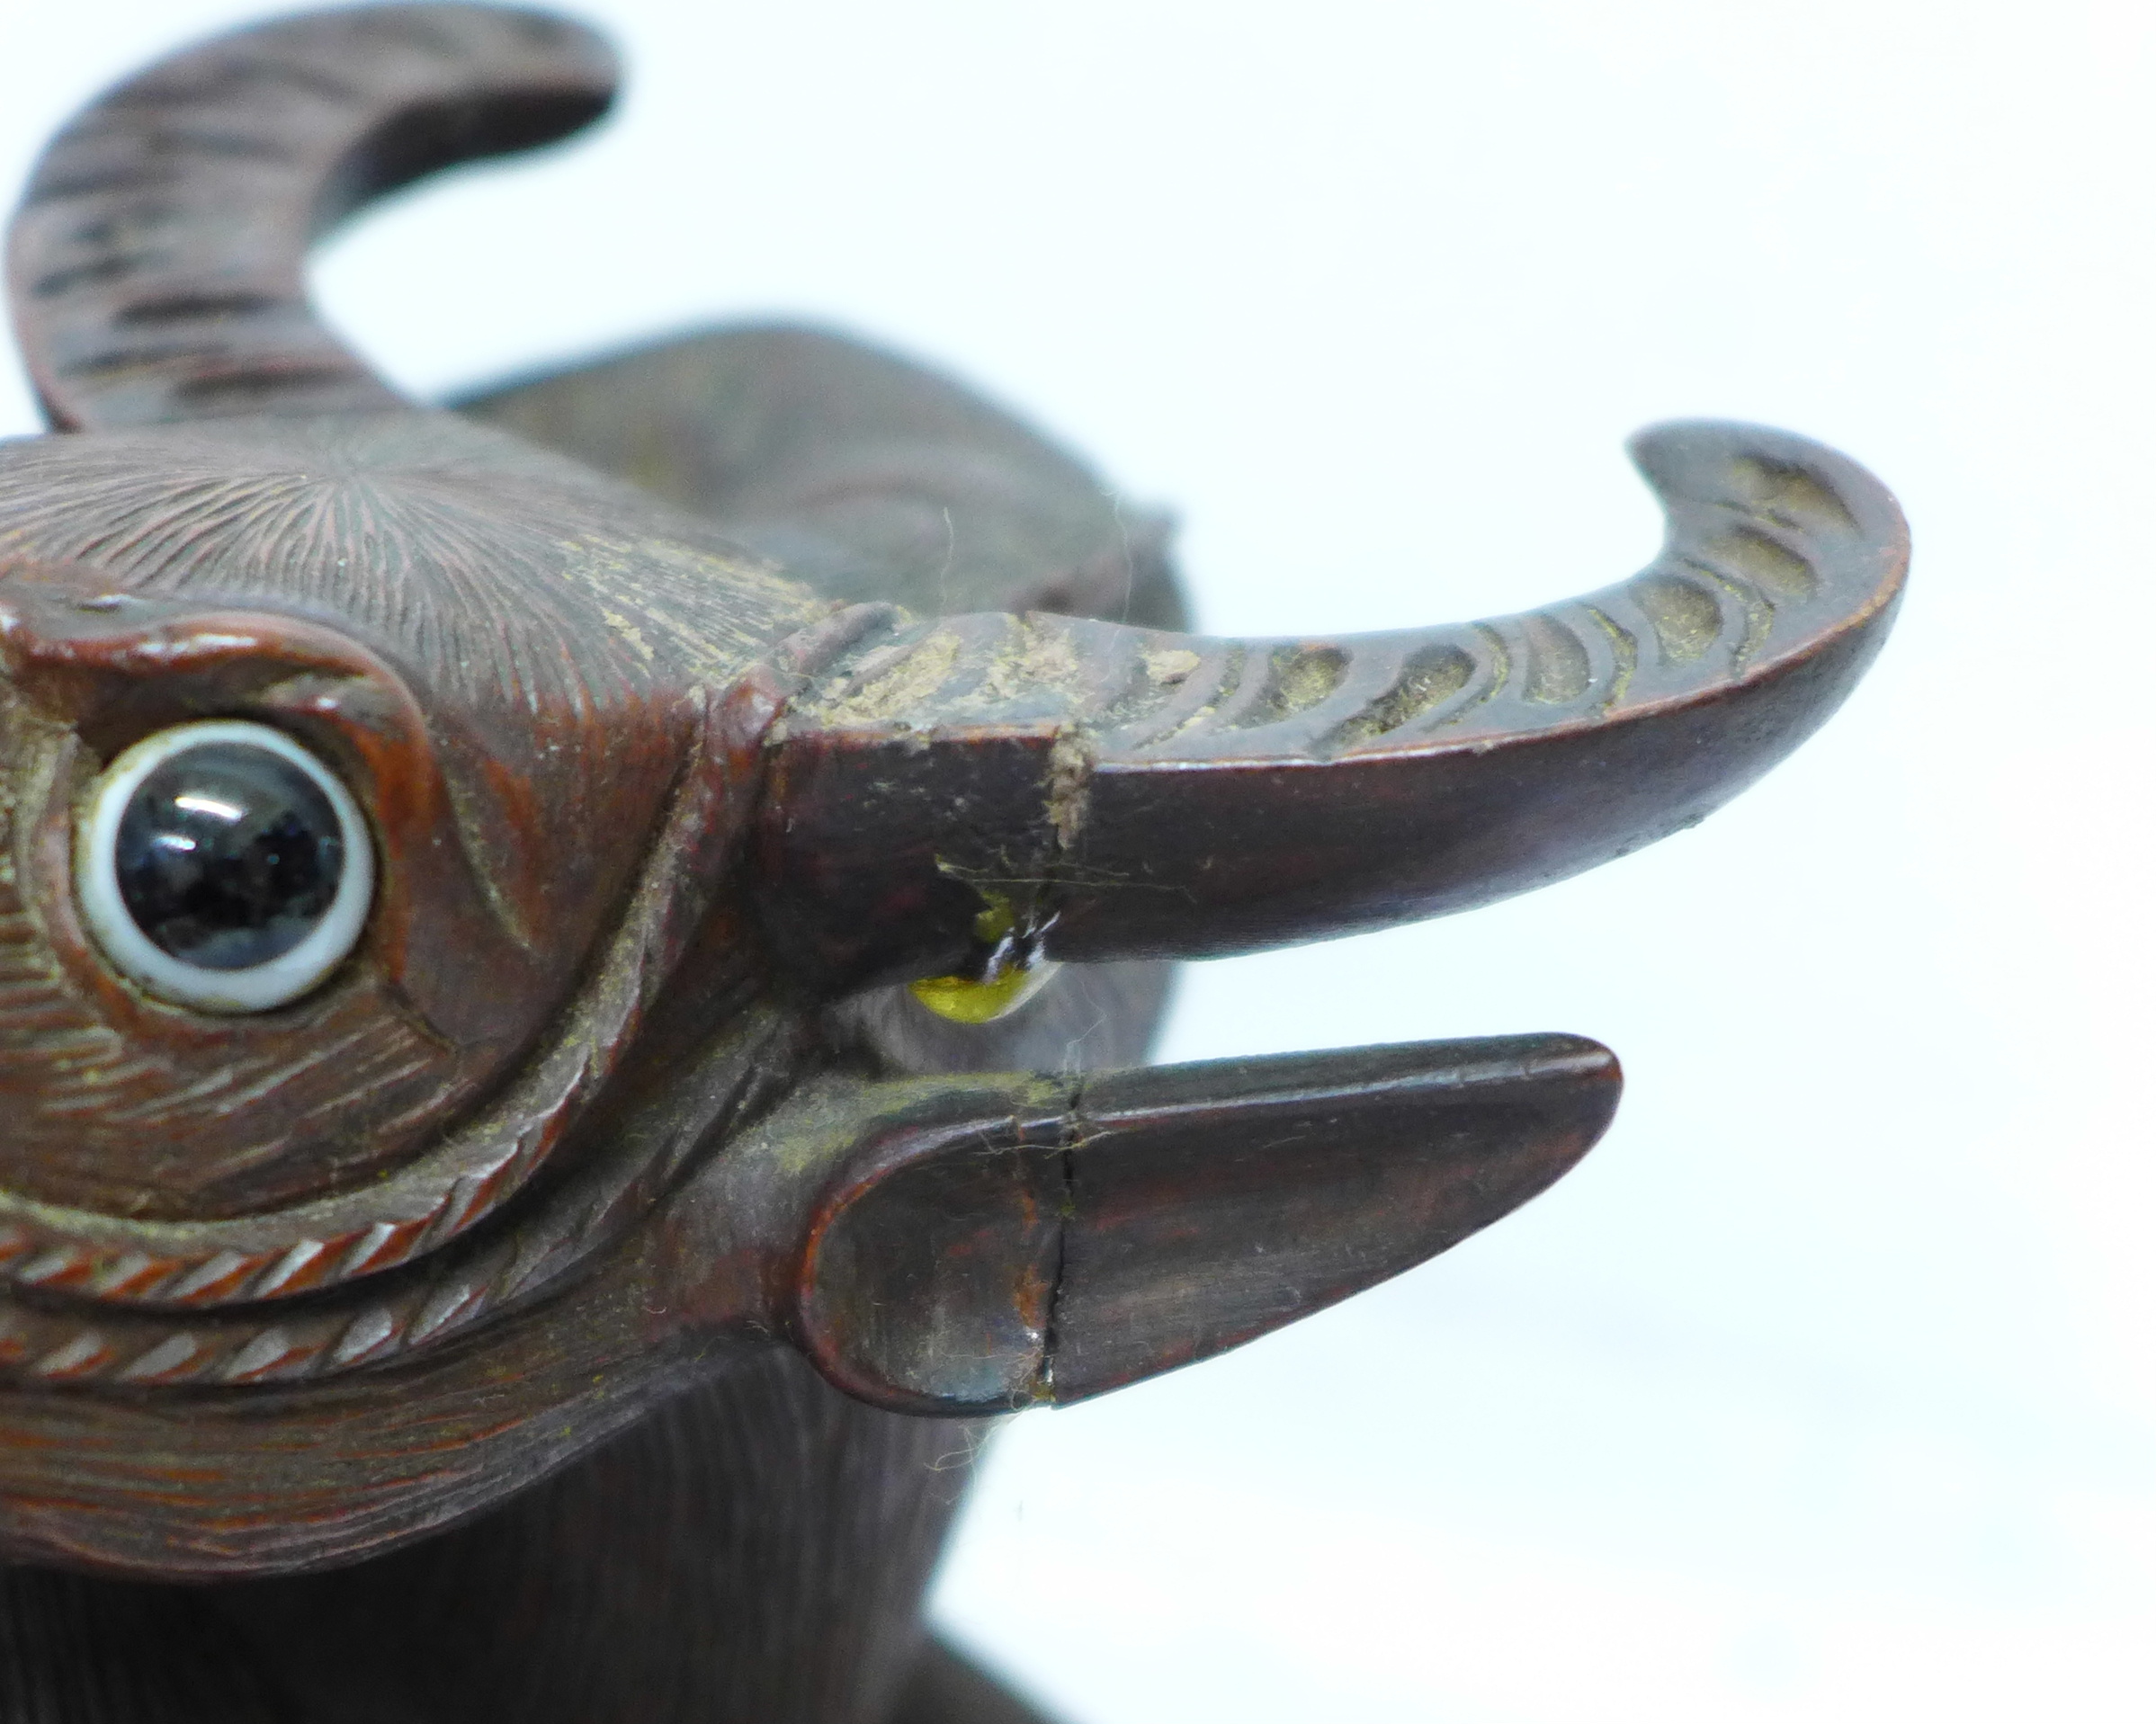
[(787, 778)]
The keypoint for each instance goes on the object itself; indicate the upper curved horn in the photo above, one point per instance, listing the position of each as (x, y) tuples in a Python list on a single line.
[(1129, 792), (155, 263)]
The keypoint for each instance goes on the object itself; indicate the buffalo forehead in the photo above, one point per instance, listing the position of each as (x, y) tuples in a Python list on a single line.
[(553, 623), (493, 572)]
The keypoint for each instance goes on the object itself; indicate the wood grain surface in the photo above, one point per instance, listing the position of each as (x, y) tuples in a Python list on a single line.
[(788, 778)]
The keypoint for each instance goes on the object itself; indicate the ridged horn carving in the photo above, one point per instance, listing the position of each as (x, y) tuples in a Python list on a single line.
[(1113, 791), (155, 262)]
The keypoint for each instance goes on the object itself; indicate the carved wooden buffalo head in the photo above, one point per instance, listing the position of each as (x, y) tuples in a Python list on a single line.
[(482, 946)]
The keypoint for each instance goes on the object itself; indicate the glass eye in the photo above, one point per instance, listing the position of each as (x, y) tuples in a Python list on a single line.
[(222, 866)]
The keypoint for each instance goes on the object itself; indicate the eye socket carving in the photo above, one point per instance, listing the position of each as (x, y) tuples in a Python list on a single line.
[(223, 867)]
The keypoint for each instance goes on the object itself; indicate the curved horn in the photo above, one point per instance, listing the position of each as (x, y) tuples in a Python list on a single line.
[(1118, 791), (155, 263)]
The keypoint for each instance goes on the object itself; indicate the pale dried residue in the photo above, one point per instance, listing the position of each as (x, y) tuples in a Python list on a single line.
[(1031, 661), (1171, 666), (1765, 562), (1196, 720), (1428, 678), (625, 627), (741, 573), (1297, 679), (1685, 617), (897, 687), (1559, 671), (1227, 680), (1784, 492), (1069, 785), (663, 600)]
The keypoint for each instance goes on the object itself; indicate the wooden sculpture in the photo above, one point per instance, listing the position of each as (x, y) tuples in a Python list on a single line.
[(541, 945)]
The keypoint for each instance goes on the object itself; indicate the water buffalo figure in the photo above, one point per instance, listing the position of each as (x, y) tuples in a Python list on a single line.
[(574, 972)]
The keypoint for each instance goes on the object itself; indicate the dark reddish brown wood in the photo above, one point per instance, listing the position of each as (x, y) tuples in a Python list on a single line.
[(581, 1305), (1025, 1247), (1138, 792), (155, 264)]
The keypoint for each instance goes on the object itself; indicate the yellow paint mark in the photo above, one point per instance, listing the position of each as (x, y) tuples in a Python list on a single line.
[(964, 1000)]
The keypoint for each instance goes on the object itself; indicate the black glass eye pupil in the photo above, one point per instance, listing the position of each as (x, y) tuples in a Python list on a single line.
[(228, 855)]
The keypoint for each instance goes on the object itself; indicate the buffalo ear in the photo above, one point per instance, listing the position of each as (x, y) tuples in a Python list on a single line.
[(992, 1244)]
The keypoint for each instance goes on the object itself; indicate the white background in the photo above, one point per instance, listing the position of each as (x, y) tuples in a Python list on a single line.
[(1825, 1390)]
